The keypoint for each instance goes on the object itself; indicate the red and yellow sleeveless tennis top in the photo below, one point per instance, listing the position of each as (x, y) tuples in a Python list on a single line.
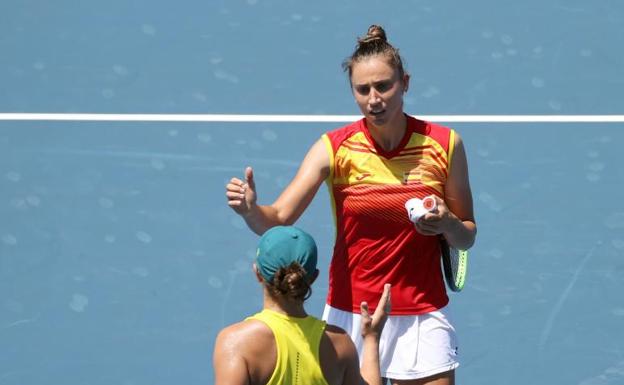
[(375, 241)]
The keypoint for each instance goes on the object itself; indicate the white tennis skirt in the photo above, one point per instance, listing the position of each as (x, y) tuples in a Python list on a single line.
[(411, 346)]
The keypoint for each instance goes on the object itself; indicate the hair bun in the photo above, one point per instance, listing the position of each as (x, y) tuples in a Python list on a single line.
[(375, 43), (375, 32)]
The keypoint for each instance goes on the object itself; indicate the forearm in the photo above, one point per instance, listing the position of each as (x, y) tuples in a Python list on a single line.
[(461, 234), (261, 218), (370, 369)]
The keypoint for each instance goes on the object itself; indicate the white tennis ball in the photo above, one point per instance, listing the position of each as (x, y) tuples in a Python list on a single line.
[(416, 207)]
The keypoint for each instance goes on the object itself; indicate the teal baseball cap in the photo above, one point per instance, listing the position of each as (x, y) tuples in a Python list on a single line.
[(280, 246)]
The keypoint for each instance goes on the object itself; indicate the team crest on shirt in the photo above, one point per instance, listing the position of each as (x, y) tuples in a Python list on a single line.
[(425, 172)]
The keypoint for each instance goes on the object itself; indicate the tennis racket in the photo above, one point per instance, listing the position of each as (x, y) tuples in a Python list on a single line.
[(455, 263)]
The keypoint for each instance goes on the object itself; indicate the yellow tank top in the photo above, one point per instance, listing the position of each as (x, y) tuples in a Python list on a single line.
[(297, 341)]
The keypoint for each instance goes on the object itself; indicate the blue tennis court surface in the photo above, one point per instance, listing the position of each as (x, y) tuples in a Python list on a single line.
[(120, 260)]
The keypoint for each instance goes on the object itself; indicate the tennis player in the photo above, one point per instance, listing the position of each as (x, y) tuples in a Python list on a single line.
[(372, 167), (282, 344)]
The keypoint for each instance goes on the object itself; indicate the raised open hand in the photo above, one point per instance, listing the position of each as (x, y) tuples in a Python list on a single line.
[(241, 194), (373, 325)]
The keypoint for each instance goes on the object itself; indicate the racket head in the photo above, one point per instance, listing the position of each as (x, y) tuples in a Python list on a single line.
[(455, 264)]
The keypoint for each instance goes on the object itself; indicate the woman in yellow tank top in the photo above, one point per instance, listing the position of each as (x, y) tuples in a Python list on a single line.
[(282, 344)]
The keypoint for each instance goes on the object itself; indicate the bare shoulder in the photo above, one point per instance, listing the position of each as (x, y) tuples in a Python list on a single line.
[(458, 195), (459, 163), (336, 334), (458, 138), (338, 356), (243, 335), (339, 342), (458, 147), (318, 157), (239, 351)]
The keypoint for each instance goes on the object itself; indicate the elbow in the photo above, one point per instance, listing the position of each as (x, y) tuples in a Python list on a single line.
[(472, 236)]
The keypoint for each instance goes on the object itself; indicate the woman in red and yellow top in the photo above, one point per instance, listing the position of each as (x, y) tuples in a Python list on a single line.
[(375, 239), (372, 167)]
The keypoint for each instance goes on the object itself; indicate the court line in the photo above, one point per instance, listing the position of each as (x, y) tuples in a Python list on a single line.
[(257, 118), (563, 297)]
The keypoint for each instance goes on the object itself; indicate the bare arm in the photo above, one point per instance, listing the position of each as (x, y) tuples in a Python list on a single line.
[(241, 194), (455, 217), (371, 331), (230, 367), (462, 231), (371, 326)]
